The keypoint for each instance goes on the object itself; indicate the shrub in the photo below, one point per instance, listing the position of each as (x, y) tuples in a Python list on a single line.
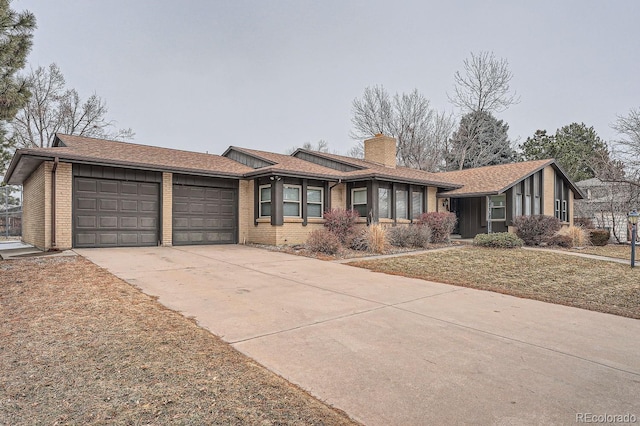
[(599, 237), (409, 236), (360, 240), (440, 224), (323, 241), (536, 229), (579, 236), (342, 223), (377, 238), (498, 240), (561, 240), (584, 222)]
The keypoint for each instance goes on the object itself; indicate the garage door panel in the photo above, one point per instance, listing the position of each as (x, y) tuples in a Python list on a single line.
[(108, 186), (86, 221), (128, 206), (87, 203), (108, 205), (111, 213), (198, 216)]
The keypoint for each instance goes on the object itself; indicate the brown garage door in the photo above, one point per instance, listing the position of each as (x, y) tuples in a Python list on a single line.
[(115, 213), (204, 215)]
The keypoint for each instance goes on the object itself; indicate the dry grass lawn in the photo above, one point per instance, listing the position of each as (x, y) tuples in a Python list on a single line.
[(80, 346), (550, 277), (619, 251)]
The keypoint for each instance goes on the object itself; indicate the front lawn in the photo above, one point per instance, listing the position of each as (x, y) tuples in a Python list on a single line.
[(80, 346), (550, 277), (619, 251)]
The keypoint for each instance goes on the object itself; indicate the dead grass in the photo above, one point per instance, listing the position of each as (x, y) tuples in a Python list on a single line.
[(618, 251), (550, 277), (80, 346)]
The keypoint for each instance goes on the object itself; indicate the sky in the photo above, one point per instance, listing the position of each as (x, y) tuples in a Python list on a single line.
[(202, 75)]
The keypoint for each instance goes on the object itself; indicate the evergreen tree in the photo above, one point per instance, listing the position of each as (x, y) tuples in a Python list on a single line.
[(481, 140)]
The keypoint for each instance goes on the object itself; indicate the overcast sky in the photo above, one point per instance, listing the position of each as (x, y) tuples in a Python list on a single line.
[(202, 75)]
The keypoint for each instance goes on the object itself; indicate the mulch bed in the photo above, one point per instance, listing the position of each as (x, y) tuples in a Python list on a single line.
[(80, 346)]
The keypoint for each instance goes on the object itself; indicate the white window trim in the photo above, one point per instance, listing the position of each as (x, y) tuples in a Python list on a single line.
[(353, 191), (565, 215), (316, 188), (299, 202), (264, 202)]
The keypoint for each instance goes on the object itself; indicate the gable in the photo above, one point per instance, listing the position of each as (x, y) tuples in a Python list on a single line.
[(325, 162), (248, 160)]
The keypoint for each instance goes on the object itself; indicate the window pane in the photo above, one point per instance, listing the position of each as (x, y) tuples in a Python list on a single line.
[(361, 209), (527, 205), (497, 213), (314, 195), (498, 200), (536, 205), (314, 210), (265, 209), (291, 193), (383, 203), (401, 204), (519, 205), (265, 193), (291, 209), (360, 196), (416, 204)]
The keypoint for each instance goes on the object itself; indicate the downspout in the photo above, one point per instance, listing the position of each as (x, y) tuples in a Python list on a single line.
[(53, 202)]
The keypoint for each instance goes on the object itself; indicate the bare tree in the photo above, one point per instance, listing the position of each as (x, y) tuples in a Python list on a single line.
[(421, 131), (53, 108), (484, 85), (320, 146), (628, 147)]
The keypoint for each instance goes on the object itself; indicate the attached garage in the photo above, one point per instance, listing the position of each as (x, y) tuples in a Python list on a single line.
[(115, 207), (204, 210)]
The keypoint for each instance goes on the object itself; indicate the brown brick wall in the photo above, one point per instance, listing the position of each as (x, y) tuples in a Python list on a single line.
[(167, 209), (432, 201), (548, 190), (33, 208), (381, 149), (64, 203), (245, 210), (339, 196)]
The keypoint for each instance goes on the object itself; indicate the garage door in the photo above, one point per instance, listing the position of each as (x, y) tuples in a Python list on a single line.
[(204, 215), (115, 213)]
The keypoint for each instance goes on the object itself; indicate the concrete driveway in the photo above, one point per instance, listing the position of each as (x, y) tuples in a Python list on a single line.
[(393, 350)]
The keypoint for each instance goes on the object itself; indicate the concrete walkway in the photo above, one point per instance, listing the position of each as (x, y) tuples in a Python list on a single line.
[(392, 350)]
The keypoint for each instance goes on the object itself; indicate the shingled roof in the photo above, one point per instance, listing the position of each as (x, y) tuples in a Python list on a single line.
[(370, 169), (122, 154), (497, 179)]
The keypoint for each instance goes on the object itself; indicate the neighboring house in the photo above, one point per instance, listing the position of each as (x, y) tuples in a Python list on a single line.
[(85, 192), (607, 205)]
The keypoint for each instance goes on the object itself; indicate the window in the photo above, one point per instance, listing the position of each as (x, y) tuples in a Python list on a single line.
[(518, 199), (498, 207), (359, 201), (291, 199), (557, 210), (565, 217), (265, 200), (401, 204), (527, 197), (384, 203), (314, 202), (536, 194), (416, 204)]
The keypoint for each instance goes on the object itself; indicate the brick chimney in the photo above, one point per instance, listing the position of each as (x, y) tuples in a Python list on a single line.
[(381, 149)]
